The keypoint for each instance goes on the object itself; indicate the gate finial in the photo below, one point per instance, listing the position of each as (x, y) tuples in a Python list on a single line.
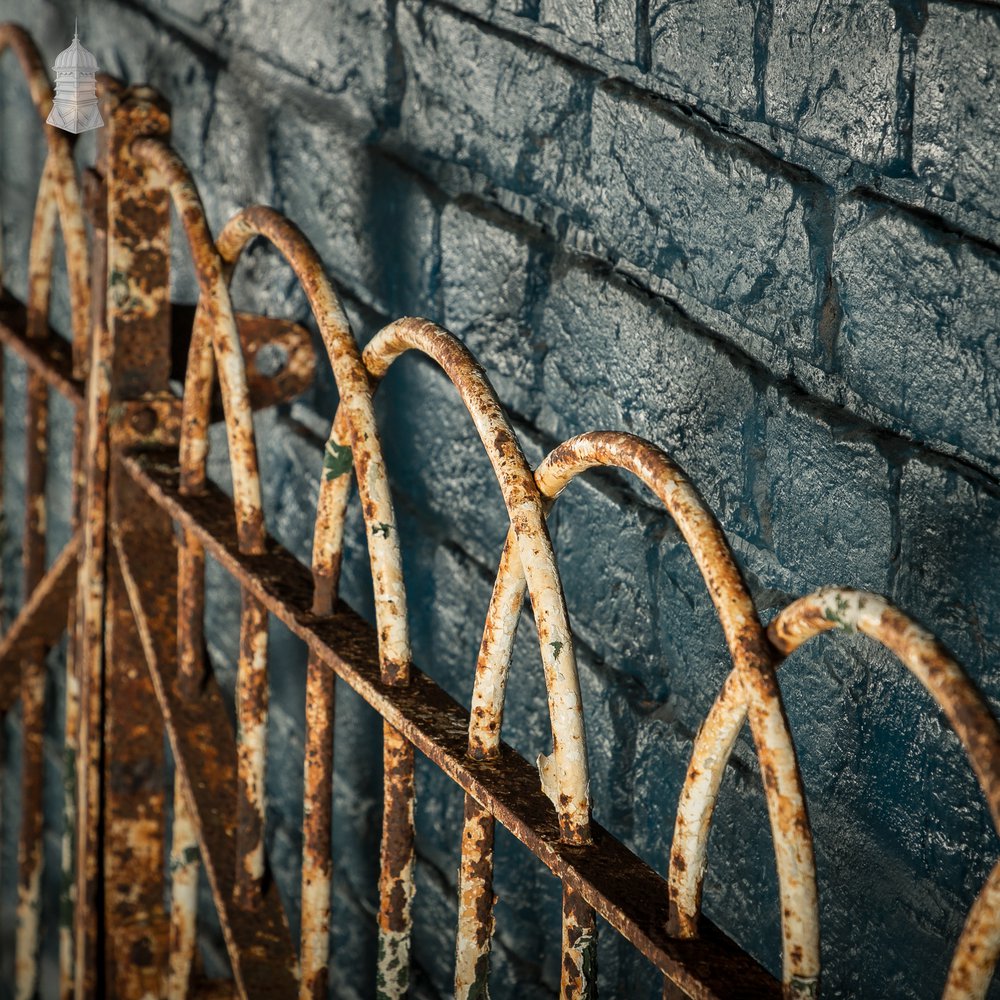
[(74, 107)]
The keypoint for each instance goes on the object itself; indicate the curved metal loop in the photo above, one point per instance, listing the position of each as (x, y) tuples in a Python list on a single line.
[(215, 341), (64, 187), (744, 636), (40, 252), (58, 196), (965, 708), (354, 439), (16, 38), (524, 506), (975, 957)]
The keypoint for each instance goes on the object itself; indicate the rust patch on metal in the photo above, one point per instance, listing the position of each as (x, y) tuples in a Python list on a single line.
[(625, 891), (835, 608), (41, 621), (251, 746), (578, 980), (475, 904), (183, 898), (205, 753), (133, 801), (535, 548), (786, 804), (317, 865), (49, 356)]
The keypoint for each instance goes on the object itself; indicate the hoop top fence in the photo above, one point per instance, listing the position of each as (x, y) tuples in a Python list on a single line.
[(130, 589)]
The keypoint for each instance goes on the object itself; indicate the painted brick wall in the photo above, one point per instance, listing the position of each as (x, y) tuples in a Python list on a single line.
[(765, 235)]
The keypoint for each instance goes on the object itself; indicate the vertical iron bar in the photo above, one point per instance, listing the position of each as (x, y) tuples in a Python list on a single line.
[(475, 903), (184, 868), (317, 828), (397, 861), (109, 92), (184, 860), (33, 553), (251, 748), (578, 979), (130, 351)]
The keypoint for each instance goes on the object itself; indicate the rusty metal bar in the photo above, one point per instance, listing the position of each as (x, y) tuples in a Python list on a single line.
[(568, 762), (251, 747), (133, 862), (215, 342), (50, 356), (476, 921), (130, 353), (747, 645), (353, 439), (622, 889), (41, 620), (65, 187), (215, 346), (71, 729), (578, 975), (535, 548), (183, 897), (317, 866), (32, 665), (975, 958), (205, 756), (50, 363), (965, 708), (359, 440), (279, 356)]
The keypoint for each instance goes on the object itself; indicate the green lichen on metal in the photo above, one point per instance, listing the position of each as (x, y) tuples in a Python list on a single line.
[(337, 460), (382, 529), (556, 647), (838, 614), (392, 978)]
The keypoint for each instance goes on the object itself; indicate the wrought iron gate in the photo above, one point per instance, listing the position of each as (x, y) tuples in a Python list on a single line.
[(129, 588)]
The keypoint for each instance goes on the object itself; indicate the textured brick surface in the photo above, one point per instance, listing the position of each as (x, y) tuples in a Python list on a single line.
[(919, 335), (957, 105), (474, 99), (832, 72), (659, 217), (606, 25), (723, 230), (707, 48)]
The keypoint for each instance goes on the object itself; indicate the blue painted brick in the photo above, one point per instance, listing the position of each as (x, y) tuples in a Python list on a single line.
[(956, 112), (832, 72), (707, 49), (478, 99), (727, 235), (609, 26), (918, 334)]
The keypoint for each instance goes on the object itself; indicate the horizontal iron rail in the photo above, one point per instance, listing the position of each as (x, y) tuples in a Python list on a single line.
[(42, 619), (51, 357), (629, 894)]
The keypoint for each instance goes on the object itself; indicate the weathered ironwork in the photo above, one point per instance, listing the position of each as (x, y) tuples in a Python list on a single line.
[(130, 589)]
